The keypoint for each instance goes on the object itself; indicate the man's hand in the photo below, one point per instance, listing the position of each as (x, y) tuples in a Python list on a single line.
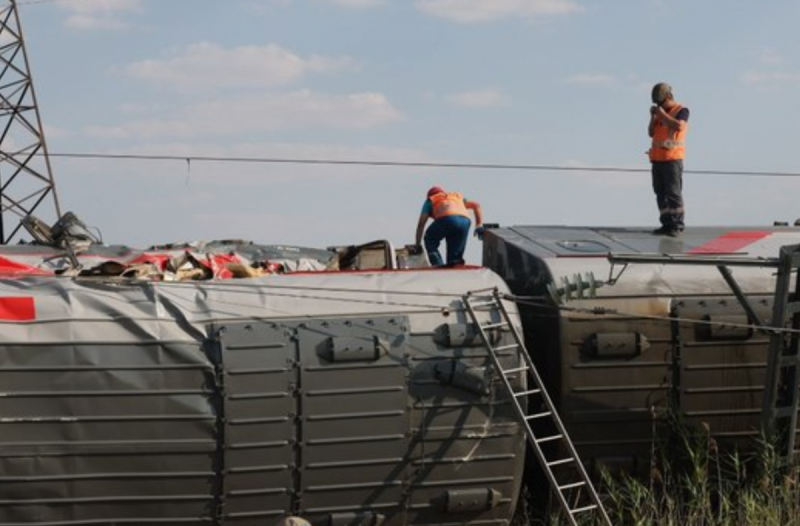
[(479, 231)]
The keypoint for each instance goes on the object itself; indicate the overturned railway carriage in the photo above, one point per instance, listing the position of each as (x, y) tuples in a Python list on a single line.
[(355, 397), (615, 356), (345, 398)]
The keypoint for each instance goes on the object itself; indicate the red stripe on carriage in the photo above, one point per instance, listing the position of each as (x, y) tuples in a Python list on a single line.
[(17, 309), (729, 243)]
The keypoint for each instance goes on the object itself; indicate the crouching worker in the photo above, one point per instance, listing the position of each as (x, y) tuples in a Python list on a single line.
[(450, 222)]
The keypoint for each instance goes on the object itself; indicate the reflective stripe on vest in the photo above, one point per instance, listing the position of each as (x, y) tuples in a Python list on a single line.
[(450, 204), (669, 144)]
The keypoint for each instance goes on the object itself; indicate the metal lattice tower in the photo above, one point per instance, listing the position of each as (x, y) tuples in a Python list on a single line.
[(26, 180)]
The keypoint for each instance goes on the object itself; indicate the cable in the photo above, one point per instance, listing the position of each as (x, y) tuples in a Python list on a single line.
[(533, 302), (406, 164), (421, 307), (247, 287), (34, 2)]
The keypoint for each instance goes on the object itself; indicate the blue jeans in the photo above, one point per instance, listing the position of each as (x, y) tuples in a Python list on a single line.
[(453, 229)]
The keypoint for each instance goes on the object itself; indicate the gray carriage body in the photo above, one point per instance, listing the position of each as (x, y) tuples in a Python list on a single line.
[(345, 398), (679, 336)]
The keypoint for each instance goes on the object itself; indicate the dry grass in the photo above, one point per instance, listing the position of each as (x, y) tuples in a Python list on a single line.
[(693, 483)]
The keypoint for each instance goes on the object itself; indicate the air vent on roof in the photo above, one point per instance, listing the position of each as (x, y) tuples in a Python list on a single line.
[(586, 247)]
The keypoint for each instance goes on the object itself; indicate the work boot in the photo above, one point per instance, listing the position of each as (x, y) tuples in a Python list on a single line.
[(662, 231)]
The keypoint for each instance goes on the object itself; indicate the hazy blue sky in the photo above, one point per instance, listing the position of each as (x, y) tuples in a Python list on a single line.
[(520, 82)]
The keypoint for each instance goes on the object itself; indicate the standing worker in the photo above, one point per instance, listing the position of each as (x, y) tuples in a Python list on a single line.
[(450, 222), (669, 123)]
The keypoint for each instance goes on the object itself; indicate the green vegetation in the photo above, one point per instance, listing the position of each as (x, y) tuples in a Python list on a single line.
[(693, 483)]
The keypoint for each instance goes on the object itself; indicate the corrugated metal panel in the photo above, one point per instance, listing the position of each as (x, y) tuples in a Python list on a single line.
[(608, 398), (112, 433), (355, 423), (259, 406), (722, 369), (464, 441)]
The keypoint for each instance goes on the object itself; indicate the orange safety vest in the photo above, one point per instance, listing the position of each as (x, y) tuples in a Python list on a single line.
[(669, 144), (450, 204)]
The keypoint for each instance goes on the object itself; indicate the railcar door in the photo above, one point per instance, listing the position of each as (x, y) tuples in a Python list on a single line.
[(315, 421), (720, 364), (258, 382)]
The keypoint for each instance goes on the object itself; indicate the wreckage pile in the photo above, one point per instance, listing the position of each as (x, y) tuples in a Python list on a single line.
[(70, 249)]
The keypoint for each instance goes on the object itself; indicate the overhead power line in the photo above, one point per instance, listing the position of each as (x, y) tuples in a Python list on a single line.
[(408, 164)]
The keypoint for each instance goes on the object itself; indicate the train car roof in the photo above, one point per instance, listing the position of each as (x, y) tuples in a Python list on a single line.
[(569, 241), (560, 255)]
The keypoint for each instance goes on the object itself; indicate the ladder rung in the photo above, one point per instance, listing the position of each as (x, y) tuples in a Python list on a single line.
[(549, 439), (585, 508), (791, 307), (538, 415), (784, 412), (544, 411), (481, 304), (790, 361)]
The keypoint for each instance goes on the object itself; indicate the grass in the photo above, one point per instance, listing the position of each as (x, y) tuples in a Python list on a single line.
[(693, 483)]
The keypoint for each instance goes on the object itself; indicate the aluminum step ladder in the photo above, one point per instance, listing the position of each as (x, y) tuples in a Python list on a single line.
[(565, 472)]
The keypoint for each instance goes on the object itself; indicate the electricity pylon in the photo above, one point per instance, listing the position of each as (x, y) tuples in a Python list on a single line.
[(26, 179)]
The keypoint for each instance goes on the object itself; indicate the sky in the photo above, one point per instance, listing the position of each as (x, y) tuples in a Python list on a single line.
[(542, 83)]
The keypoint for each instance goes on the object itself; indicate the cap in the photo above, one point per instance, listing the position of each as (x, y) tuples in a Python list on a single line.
[(661, 91), (435, 190)]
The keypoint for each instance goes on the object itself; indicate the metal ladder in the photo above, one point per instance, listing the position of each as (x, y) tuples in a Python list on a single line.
[(566, 474), (782, 380)]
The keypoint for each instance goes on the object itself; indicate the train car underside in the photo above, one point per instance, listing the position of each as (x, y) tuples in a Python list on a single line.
[(344, 398)]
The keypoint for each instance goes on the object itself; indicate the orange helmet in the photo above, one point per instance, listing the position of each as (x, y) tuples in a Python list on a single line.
[(435, 190)]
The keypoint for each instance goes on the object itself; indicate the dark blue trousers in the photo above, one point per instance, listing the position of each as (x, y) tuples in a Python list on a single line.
[(455, 231), (668, 187)]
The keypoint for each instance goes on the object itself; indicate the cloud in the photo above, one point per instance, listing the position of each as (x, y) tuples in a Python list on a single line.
[(206, 64), (265, 113), (776, 78), (54, 132), (268, 6), (489, 98), (595, 79), (98, 14), (770, 57), (475, 11), (356, 3)]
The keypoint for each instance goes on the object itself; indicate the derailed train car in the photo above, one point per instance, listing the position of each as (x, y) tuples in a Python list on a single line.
[(617, 346), (356, 397), (350, 396)]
